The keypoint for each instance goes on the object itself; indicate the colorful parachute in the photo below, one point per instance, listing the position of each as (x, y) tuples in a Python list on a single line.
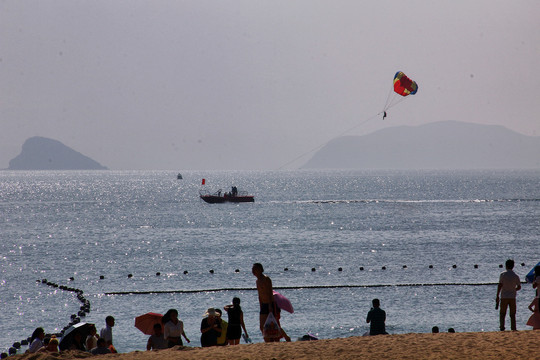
[(403, 85)]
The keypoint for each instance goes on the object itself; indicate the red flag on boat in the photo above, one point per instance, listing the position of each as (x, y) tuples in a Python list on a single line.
[(203, 181)]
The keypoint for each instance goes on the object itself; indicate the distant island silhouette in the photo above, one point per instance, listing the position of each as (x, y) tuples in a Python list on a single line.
[(39, 153), (439, 145)]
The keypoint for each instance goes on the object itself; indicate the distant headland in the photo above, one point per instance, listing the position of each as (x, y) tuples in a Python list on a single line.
[(39, 153), (439, 145)]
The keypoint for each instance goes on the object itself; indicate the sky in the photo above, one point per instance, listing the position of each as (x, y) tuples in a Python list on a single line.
[(255, 84)]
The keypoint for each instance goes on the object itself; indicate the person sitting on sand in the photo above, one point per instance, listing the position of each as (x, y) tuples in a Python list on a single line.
[(509, 284), (101, 347), (52, 345), (222, 338), (376, 318), (91, 339), (36, 340), (157, 340), (77, 342)]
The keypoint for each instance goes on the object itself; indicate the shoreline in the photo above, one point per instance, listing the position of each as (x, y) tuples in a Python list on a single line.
[(473, 345)]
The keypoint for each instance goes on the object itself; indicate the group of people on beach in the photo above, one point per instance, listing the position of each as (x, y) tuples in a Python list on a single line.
[(93, 343), (215, 331), (509, 285)]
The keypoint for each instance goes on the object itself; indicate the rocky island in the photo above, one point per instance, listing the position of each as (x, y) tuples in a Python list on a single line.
[(39, 153)]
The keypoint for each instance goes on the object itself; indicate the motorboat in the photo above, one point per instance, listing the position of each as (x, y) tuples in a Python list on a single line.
[(233, 196)]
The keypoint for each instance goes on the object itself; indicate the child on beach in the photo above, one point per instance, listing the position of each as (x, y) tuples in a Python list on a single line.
[(534, 320)]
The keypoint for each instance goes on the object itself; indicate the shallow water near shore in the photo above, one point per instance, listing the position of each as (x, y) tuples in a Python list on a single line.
[(58, 225)]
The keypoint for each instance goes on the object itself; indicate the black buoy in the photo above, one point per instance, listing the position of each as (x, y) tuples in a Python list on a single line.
[(17, 345), (286, 269), (312, 269), (454, 266), (404, 266), (12, 351), (522, 264), (185, 272), (44, 281), (431, 266), (500, 266), (237, 270), (340, 269), (361, 268), (476, 266), (130, 276), (158, 273), (211, 271), (71, 278), (384, 267), (101, 277)]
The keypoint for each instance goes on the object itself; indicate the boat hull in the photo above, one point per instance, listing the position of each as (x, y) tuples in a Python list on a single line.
[(214, 199)]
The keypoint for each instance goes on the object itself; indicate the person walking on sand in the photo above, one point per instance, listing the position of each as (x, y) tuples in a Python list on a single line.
[(509, 284), (376, 317), (266, 295)]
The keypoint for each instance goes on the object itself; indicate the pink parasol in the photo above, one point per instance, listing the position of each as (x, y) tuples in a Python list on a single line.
[(282, 302), (146, 322)]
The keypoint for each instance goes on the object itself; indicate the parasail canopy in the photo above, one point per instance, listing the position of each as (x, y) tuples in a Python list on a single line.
[(403, 85)]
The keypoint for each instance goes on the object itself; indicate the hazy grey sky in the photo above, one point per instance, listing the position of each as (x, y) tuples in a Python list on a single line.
[(198, 84)]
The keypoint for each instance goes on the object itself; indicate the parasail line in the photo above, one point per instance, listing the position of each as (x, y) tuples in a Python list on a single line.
[(326, 142)]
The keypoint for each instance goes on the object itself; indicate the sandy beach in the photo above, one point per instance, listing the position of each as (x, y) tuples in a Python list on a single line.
[(488, 345)]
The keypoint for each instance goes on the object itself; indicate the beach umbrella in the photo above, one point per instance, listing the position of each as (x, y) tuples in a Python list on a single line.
[(283, 302), (67, 339), (530, 276), (146, 322)]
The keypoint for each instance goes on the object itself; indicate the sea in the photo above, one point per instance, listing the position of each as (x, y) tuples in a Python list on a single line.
[(429, 244)]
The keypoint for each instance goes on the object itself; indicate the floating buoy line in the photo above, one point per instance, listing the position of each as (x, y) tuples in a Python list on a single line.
[(74, 318)]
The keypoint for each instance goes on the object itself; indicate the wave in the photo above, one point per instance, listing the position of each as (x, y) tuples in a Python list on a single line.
[(375, 201)]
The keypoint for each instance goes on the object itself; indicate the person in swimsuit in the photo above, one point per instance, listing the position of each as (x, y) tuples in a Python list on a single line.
[(266, 295)]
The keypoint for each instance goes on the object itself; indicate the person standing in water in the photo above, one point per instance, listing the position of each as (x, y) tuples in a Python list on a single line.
[(266, 295)]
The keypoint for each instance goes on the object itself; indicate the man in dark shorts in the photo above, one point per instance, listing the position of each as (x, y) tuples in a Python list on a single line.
[(266, 295)]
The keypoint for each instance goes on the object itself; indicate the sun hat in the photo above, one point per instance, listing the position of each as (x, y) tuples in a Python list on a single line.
[(210, 312)]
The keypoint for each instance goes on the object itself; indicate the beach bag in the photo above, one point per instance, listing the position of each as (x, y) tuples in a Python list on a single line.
[(271, 328)]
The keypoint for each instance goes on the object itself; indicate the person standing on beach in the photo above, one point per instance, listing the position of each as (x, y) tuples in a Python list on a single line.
[(173, 328), (376, 317), (236, 322), (106, 332), (509, 284), (266, 295)]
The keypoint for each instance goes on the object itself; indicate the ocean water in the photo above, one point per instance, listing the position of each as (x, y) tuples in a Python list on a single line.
[(303, 227)]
